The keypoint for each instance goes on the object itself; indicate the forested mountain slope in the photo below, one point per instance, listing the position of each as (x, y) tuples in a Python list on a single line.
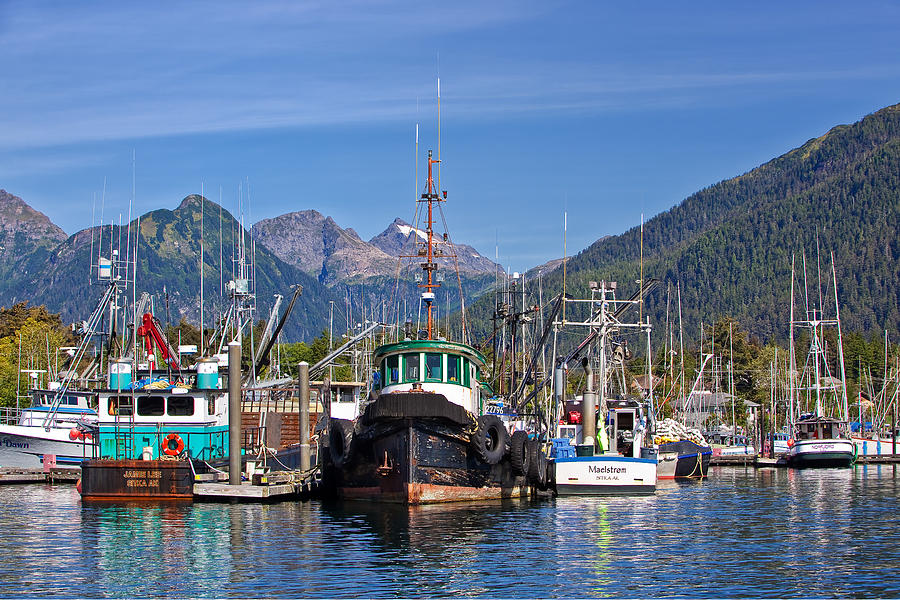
[(729, 246)]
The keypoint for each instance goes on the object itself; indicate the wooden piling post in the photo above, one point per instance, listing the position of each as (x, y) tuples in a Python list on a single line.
[(894, 430), (234, 413), (303, 380)]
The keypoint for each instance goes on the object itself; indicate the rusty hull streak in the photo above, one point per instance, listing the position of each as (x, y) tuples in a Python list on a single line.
[(426, 493)]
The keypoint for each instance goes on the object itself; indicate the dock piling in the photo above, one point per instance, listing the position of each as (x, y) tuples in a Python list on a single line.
[(234, 413), (303, 379)]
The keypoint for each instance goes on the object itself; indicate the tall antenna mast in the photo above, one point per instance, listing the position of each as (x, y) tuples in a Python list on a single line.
[(202, 345), (792, 360), (439, 121), (837, 315), (429, 266), (565, 256), (641, 303), (416, 159)]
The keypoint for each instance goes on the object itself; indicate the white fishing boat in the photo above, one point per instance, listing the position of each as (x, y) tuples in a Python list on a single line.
[(876, 445), (629, 469), (819, 411), (612, 456), (54, 426), (820, 442)]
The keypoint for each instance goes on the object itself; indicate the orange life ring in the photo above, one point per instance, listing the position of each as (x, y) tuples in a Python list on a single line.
[(167, 448), (790, 443)]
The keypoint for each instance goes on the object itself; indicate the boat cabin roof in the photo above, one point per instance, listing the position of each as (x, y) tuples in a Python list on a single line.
[(439, 346), (158, 405)]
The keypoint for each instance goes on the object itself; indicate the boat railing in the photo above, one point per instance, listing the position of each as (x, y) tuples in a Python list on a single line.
[(281, 399), (199, 445), (10, 415), (253, 439)]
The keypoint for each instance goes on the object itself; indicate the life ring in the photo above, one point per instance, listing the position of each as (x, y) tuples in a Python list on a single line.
[(790, 443), (170, 450)]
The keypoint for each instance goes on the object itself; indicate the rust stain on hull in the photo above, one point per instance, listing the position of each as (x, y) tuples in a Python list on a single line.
[(427, 493)]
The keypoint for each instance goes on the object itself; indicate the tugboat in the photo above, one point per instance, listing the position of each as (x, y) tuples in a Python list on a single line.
[(422, 436)]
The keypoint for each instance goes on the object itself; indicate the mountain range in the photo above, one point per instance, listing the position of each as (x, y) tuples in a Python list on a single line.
[(727, 249), (42, 265), (320, 247)]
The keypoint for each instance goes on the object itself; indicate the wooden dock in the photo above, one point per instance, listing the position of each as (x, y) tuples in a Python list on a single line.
[(881, 459), (764, 461), (246, 491), (272, 486), (733, 460), (15, 475)]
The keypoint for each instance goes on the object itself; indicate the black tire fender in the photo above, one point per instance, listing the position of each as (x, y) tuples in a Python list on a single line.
[(490, 439), (518, 452), (537, 467), (340, 435)]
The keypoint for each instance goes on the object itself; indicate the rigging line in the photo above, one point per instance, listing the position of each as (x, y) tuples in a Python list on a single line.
[(455, 256), (201, 265)]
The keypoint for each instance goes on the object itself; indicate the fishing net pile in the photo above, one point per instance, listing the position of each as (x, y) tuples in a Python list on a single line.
[(670, 430)]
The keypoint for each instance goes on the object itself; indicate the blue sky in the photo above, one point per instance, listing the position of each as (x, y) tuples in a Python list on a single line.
[(606, 110)]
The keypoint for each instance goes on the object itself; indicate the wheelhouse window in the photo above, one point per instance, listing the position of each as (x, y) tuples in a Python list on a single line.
[(412, 367), (453, 374), (180, 406), (151, 406), (119, 405), (433, 364), (392, 370)]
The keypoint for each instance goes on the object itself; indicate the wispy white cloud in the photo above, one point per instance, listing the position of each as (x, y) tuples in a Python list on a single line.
[(122, 71), (20, 163)]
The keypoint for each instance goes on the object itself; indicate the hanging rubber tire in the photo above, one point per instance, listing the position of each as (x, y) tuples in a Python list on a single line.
[(537, 468), (340, 435), (518, 452), (490, 439), (550, 474)]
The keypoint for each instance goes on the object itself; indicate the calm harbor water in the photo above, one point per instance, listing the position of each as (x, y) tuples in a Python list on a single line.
[(742, 533)]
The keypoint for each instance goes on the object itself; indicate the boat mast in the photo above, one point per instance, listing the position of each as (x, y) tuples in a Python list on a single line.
[(430, 196)]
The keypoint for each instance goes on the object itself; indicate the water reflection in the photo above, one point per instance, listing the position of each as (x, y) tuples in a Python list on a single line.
[(744, 532)]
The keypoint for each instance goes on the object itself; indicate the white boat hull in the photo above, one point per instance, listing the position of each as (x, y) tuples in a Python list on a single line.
[(822, 453), (665, 469), (875, 447), (25, 447), (605, 475)]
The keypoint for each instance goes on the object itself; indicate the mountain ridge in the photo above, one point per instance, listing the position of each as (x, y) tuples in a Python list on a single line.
[(729, 245)]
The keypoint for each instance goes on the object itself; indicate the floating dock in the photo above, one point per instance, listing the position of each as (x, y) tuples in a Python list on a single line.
[(271, 486), (14, 475), (764, 461)]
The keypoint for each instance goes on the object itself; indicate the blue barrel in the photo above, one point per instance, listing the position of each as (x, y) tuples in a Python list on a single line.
[(208, 374), (120, 374)]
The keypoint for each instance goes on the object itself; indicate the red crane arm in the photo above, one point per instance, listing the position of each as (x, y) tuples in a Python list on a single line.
[(150, 331)]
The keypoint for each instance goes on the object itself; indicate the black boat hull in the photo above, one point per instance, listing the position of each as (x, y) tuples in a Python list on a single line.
[(416, 460), (691, 460)]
